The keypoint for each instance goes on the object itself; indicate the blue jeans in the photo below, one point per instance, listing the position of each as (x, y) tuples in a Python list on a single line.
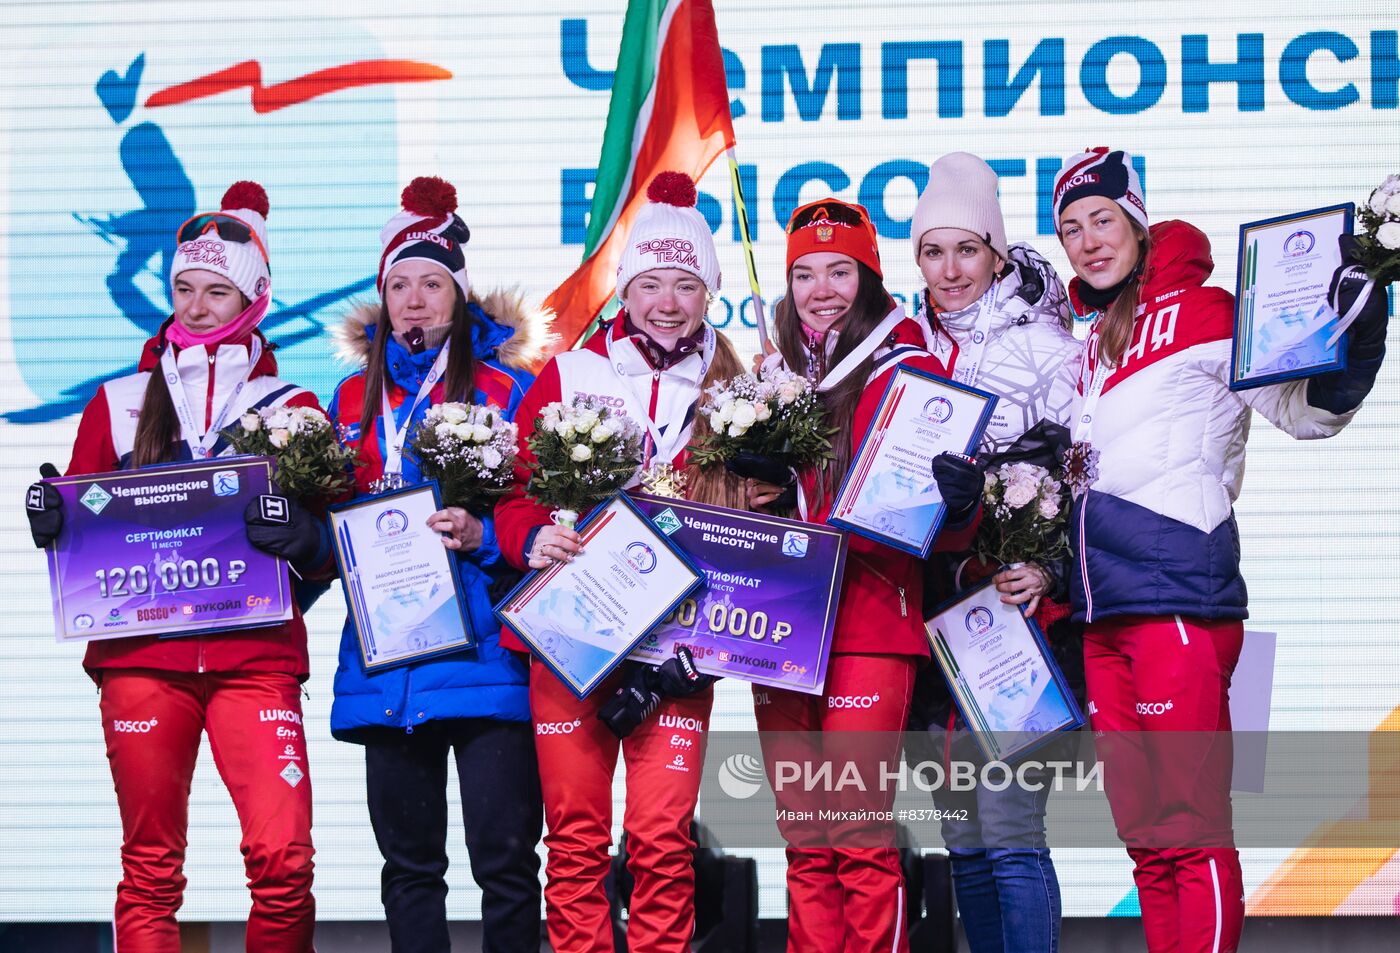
[(1007, 892)]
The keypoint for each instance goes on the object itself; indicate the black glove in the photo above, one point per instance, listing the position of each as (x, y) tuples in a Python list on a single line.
[(1347, 282), (44, 507), (1343, 391), (677, 677), (755, 466), (645, 686), (632, 704), (283, 527), (960, 481)]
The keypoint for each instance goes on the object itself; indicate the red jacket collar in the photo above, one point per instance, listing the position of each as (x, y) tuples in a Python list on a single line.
[(1180, 258)]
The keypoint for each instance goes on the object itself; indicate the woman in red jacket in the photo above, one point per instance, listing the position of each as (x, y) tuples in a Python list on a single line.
[(653, 363), (158, 696), (839, 327)]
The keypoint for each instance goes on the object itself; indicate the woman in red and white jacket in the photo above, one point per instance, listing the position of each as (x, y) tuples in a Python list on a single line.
[(839, 327), (241, 687), (1157, 574), (653, 363)]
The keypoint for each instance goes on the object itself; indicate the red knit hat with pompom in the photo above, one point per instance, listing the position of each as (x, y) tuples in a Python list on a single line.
[(428, 229), (669, 232)]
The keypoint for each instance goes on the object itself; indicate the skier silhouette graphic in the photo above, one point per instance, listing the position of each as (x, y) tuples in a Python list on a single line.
[(159, 178)]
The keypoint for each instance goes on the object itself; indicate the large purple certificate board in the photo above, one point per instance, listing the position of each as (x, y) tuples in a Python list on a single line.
[(162, 551), (768, 610)]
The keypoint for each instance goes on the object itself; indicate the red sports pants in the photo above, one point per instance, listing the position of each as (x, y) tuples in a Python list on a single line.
[(1159, 704), (845, 885), (153, 722), (578, 755)]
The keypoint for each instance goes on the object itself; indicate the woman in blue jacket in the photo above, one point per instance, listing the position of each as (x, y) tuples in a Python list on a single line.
[(430, 341)]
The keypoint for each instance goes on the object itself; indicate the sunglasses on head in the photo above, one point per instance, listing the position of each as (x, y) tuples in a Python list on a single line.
[(225, 226), (831, 210)]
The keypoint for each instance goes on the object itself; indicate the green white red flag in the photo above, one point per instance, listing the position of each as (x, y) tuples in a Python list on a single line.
[(669, 111)]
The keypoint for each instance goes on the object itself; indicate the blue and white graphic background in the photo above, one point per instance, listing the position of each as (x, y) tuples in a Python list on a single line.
[(1308, 118)]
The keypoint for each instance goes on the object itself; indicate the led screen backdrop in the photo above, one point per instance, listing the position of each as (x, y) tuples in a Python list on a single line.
[(109, 144)]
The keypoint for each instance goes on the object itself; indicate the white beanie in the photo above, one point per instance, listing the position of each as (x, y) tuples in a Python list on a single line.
[(669, 232), (203, 247), (428, 229), (961, 193)]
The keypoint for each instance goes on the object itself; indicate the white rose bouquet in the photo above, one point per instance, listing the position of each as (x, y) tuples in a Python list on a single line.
[(469, 449), (1378, 243), (312, 462), (773, 414), (1025, 509), (584, 453)]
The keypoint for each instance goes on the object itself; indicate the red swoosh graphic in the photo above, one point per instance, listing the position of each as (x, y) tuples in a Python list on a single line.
[(267, 99)]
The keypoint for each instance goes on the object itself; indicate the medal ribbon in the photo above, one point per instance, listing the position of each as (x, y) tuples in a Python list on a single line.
[(1084, 426), (201, 441), (681, 435), (864, 349), (394, 433), (970, 362)]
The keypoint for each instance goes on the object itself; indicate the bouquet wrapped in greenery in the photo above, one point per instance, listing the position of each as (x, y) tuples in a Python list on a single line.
[(773, 414), (312, 463), (469, 449), (584, 453)]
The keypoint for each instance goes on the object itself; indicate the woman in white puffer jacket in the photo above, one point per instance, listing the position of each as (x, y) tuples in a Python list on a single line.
[(999, 319)]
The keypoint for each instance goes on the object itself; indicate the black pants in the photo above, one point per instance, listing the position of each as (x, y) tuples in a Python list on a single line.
[(501, 810)]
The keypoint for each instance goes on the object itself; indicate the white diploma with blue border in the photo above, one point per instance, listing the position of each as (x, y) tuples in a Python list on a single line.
[(400, 581), (1283, 322), (890, 495), (1002, 674), (582, 618)]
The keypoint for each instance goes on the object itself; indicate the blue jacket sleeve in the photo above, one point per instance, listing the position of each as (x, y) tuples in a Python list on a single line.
[(488, 553)]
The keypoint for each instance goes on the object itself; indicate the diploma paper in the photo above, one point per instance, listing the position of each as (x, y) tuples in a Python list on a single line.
[(1282, 318), (1004, 680), (582, 618), (400, 582), (889, 494)]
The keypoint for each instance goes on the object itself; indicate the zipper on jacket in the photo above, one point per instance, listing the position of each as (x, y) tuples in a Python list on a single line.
[(903, 600), (200, 654), (209, 396), (648, 451), (1084, 560)]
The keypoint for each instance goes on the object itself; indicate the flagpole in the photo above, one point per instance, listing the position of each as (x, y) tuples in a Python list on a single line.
[(741, 212)]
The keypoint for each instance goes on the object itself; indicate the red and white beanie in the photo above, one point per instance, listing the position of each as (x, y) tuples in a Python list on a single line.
[(214, 241), (428, 229), (1100, 172), (669, 232)]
